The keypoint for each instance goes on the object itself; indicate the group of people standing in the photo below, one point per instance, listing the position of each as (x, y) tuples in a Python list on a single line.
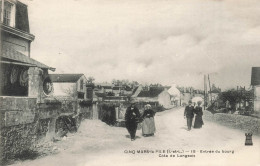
[(133, 117), (189, 115)]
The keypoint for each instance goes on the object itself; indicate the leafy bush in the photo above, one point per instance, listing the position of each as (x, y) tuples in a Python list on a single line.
[(108, 113)]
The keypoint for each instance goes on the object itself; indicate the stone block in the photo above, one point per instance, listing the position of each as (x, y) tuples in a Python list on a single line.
[(21, 104), (8, 103), (35, 71), (44, 113), (32, 103), (13, 118)]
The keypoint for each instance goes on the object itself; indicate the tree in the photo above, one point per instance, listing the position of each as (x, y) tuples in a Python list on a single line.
[(134, 84), (234, 96), (124, 82), (90, 79), (116, 82), (215, 88)]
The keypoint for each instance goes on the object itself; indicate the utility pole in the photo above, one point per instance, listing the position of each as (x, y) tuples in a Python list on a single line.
[(239, 95), (210, 90), (244, 91), (180, 97), (205, 91)]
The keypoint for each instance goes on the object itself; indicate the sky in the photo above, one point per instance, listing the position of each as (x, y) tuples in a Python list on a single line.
[(150, 41)]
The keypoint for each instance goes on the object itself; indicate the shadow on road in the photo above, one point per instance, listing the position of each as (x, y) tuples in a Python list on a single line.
[(136, 137), (184, 128)]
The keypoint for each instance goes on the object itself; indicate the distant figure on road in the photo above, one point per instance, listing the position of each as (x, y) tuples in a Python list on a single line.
[(148, 128), (198, 118), (189, 114), (132, 117)]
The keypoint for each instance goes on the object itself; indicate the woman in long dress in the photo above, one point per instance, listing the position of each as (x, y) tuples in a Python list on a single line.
[(198, 118), (148, 127)]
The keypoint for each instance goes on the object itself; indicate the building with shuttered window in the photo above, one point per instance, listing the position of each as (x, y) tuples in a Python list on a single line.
[(255, 82), (20, 74)]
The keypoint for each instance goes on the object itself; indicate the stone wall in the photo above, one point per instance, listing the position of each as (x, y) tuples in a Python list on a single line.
[(16, 139), (247, 124), (86, 112), (18, 125), (24, 122)]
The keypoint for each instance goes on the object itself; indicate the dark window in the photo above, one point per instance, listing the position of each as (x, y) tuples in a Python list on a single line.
[(81, 95), (89, 93), (13, 80)]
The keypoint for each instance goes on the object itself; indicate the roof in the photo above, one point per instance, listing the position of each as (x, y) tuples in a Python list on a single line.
[(65, 77), (174, 91), (152, 92), (11, 55), (116, 88), (107, 87), (255, 77), (100, 94), (135, 89), (104, 85), (167, 87)]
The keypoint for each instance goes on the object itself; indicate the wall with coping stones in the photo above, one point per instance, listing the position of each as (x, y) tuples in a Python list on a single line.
[(18, 125), (24, 122), (247, 124)]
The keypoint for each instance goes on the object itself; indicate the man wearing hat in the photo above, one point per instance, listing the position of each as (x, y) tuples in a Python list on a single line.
[(189, 114), (132, 117)]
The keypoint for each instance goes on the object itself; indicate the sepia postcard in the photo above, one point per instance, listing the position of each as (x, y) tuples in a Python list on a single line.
[(130, 82)]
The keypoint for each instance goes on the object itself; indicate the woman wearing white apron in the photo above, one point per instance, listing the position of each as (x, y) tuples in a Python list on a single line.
[(148, 127)]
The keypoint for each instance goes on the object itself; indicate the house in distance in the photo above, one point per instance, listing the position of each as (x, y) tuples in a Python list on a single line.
[(71, 86)]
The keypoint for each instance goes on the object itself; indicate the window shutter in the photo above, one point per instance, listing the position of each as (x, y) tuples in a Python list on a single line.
[(255, 78), (22, 21)]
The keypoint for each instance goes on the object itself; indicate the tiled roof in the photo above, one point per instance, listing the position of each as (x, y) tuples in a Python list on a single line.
[(104, 84), (65, 77), (152, 92), (12, 55), (116, 88)]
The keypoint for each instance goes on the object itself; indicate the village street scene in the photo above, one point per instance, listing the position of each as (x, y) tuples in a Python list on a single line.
[(91, 83)]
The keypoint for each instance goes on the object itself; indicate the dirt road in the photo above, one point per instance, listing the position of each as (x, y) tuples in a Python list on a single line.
[(98, 144)]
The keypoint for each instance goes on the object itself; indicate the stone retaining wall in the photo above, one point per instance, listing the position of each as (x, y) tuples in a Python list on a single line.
[(244, 123), (24, 123)]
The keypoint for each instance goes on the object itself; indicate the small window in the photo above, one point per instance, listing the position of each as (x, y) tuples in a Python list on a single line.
[(7, 13), (81, 95)]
